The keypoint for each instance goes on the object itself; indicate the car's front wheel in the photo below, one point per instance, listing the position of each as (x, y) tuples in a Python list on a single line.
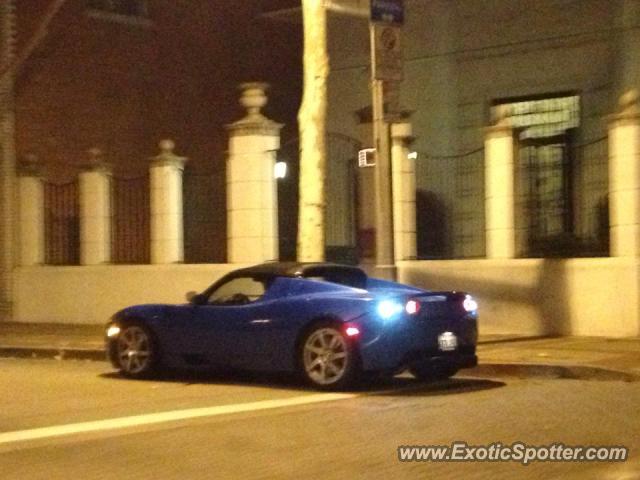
[(328, 359), (136, 353)]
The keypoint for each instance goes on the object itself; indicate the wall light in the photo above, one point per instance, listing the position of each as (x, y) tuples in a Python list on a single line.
[(280, 170), (412, 155)]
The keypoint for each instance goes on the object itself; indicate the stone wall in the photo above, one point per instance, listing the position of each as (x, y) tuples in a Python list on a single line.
[(91, 294), (588, 296)]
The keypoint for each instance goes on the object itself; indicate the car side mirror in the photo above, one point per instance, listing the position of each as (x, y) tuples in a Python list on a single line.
[(196, 298)]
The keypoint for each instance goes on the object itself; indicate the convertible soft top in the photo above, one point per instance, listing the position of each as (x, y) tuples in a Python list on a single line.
[(332, 272)]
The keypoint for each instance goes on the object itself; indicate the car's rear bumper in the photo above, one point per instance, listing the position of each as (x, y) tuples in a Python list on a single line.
[(457, 361), (394, 349)]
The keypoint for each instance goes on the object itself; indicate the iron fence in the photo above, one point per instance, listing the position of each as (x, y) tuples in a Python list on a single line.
[(62, 226), (344, 240), (593, 161), (562, 198), (131, 218), (204, 218), (450, 214)]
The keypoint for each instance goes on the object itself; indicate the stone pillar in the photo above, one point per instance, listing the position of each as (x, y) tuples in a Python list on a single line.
[(624, 178), (500, 156), (252, 203), (167, 235), (626, 46), (403, 172), (95, 211), (31, 213)]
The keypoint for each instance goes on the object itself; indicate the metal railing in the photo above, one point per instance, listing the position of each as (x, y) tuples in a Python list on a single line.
[(62, 225), (450, 206), (204, 218), (562, 200), (131, 216)]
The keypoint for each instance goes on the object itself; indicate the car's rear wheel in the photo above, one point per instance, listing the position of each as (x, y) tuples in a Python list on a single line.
[(328, 359), (136, 353), (429, 372)]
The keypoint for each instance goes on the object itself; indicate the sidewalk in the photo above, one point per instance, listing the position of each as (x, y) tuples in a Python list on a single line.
[(499, 355), (565, 357), (51, 340)]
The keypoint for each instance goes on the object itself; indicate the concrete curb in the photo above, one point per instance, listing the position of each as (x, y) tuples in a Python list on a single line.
[(550, 371), (57, 353), (516, 370)]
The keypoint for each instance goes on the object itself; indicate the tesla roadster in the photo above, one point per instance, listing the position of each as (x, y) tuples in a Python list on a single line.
[(330, 323)]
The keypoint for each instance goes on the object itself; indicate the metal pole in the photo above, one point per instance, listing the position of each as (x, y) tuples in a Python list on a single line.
[(385, 265)]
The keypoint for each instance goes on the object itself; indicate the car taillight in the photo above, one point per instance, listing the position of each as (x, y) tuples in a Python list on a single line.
[(412, 307), (469, 304), (352, 331)]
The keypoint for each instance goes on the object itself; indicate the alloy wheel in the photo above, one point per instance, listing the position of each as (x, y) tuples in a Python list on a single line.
[(326, 356), (134, 350)]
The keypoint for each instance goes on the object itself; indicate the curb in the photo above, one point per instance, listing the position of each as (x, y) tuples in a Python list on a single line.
[(516, 370), (550, 371), (59, 353)]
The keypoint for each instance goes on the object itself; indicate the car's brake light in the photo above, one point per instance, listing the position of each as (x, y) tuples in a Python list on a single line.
[(469, 304), (412, 307)]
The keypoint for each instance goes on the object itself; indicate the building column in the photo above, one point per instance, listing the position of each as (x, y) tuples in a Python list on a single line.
[(624, 178), (403, 171), (95, 211), (252, 202), (500, 155), (627, 46), (167, 235), (31, 214)]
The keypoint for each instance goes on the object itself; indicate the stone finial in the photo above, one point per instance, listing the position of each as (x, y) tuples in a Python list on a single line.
[(95, 155), (95, 161), (167, 156), (254, 98), (628, 102), (254, 123), (96, 158), (30, 166), (167, 146)]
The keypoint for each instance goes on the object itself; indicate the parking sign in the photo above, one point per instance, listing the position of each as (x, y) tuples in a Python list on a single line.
[(387, 11)]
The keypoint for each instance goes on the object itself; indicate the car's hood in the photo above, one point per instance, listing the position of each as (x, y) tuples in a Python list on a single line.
[(146, 311)]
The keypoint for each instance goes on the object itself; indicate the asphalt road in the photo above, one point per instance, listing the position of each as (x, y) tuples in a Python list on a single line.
[(72, 419)]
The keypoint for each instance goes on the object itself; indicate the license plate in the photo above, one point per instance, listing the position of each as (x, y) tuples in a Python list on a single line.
[(447, 342)]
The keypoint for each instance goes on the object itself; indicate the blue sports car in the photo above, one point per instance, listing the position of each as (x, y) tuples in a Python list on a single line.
[(330, 323)]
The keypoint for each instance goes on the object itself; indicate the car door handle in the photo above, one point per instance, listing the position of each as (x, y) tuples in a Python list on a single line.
[(260, 321)]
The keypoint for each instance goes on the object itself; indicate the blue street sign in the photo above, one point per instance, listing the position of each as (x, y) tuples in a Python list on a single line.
[(387, 11)]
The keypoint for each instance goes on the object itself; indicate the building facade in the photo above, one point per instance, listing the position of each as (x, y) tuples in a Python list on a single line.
[(557, 68), (106, 80), (518, 150)]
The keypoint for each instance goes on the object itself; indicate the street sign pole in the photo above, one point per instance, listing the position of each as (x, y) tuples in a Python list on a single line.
[(386, 66), (385, 264)]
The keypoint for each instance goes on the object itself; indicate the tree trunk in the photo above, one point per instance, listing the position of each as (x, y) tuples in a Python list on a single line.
[(7, 156), (311, 121)]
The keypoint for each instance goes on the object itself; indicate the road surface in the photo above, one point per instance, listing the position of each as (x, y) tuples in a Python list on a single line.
[(76, 419)]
